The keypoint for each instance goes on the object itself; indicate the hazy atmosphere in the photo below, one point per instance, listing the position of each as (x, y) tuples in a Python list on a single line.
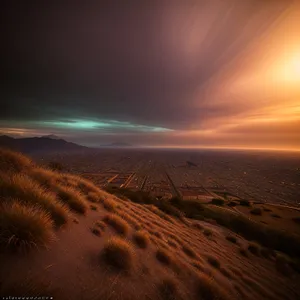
[(159, 73)]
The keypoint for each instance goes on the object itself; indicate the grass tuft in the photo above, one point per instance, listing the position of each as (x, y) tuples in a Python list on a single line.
[(11, 161), (117, 223), (254, 248), (72, 198), (30, 192), (23, 226), (119, 254), (231, 239), (213, 262), (141, 238), (208, 289), (188, 251), (93, 207), (163, 257), (168, 289), (96, 231), (217, 201)]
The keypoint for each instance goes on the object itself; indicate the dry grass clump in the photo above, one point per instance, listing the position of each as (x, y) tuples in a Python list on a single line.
[(243, 251), (231, 239), (254, 248), (197, 225), (96, 231), (117, 223), (141, 238), (129, 219), (163, 257), (169, 289), (257, 211), (28, 191), (43, 176), (213, 262), (208, 289), (72, 198), (188, 251), (275, 216), (282, 264), (109, 204), (93, 197), (267, 209), (100, 224), (172, 244), (232, 204), (84, 185), (119, 254), (267, 253), (24, 226), (11, 161), (244, 202)]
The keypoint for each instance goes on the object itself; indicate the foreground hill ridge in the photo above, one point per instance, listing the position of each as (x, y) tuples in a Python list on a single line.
[(76, 241)]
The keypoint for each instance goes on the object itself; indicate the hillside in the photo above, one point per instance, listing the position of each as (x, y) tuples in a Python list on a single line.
[(38, 144), (62, 236)]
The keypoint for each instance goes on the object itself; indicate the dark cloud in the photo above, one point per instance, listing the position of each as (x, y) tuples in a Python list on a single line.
[(131, 61)]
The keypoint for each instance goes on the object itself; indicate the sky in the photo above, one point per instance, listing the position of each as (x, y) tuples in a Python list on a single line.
[(211, 73)]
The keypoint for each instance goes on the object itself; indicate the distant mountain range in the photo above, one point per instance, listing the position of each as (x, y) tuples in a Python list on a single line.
[(50, 143), (118, 144)]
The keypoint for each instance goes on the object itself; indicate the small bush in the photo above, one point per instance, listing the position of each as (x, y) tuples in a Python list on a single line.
[(231, 239), (96, 231), (141, 238), (30, 192), (11, 161), (256, 211), (208, 289), (109, 204), (24, 226), (163, 257), (93, 197), (168, 289), (213, 262), (217, 201), (100, 224), (119, 254), (254, 248), (117, 223), (188, 251), (72, 198)]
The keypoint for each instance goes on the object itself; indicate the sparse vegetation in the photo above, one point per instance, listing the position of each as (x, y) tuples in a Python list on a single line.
[(243, 252), (109, 204), (208, 289), (30, 192), (117, 223), (188, 251), (141, 238), (232, 204), (163, 257), (213, 262), (100, 224), (244, 202), (257, 211), (11, 161), (24, 226), (275, 216), (72, 198), (254, 248), (169, 290), (207, 232), (96, 231), (93, 207), (119, 254)]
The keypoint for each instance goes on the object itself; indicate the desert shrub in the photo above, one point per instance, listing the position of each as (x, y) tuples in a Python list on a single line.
[(168, 289), (24, 226), (231, 239), (93, 197), (257, 211), (213, 262), (163, 257), (119, 254), (72, 198), (117, 223), (109, 204), (100, 224), (217, 201), (244, 202), (188, 251), (207, 232), (141, 238), (96, 231), (30, 192), (208, 289), (11, 161), (254, 248), (43, 176)]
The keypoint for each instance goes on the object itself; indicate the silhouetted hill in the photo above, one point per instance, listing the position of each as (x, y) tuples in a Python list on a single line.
[(118, 144), (38, 144)]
